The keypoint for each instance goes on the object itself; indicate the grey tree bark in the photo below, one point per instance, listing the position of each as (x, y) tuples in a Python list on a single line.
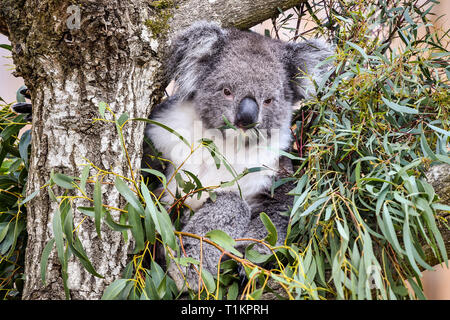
[(115, 54)]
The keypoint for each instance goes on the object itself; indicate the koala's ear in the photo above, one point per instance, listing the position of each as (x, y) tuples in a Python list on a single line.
[(302, 63), (192, 53)]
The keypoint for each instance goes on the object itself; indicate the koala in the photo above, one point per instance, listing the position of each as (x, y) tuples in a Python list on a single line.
[(237, 89), (232, 106)]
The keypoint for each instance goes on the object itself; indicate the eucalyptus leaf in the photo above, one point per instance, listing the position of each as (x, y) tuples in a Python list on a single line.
[(98, 207), (224, 240), (399, 108), (272, 235), (114, 289)]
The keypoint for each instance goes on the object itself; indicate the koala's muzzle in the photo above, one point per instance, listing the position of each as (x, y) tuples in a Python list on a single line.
[(247, 113)]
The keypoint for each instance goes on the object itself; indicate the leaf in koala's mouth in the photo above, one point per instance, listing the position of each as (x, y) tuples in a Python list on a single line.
[(249, 126), (228, 124)]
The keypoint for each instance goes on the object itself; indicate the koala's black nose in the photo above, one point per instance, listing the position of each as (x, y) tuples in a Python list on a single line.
[(247, 113)]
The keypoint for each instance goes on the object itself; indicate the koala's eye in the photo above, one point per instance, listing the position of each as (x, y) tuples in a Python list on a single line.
[(227, 93), (268, 102)]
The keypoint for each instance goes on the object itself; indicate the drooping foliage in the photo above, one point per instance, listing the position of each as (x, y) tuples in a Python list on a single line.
[(362, 212)]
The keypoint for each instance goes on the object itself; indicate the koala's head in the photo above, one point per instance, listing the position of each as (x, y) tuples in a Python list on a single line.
[(250, 79)]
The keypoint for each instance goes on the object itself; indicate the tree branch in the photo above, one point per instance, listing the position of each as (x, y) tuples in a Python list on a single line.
[(242, 14)]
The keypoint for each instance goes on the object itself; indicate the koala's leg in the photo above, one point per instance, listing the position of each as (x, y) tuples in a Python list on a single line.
[(274, 206), (228, 213)]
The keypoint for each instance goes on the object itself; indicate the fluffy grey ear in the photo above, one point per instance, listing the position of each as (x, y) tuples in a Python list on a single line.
[(191, 54), (303, 64)]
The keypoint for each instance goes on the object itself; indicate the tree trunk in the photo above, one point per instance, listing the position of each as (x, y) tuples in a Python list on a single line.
[(109, 58), (73, 56)]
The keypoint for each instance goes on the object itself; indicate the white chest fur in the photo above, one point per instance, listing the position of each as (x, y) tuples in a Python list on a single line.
[(193, 156)]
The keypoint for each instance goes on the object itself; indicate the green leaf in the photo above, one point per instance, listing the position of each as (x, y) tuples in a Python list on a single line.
[(390, 229), (208, 279), (358, 175), (73, 241), (24, 143), (149, 227), (426, 148), (77, 248), (185, 261), (198, 184), (13, 129), (150, 289), (443, 158), (123, 118), (359, 49), (408, 245), (114, 225), (58, 234), (440, 206), (122, 220), (256, 295), (89, 211), (161, 219), (30, 197), (4, 227), (272, 235), (417, 290), (224, 240), (136, 229), (19, 225), (101, 108), (228, 124), (162, 288), (300, 198), (62, 180), (129, 195), (442, 131), (430, 220), (114, 289), (233, 291), (399, 108), (44, 258), (158, 174), (310, 209), (98, 207), (344, 233), (256, 257), (6, 47), (84, 177)]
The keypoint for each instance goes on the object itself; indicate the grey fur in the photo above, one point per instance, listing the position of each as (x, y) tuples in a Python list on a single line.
[(231, 214), (206, 59)]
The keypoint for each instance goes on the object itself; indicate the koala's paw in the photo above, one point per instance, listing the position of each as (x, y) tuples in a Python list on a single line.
[(229, 213), (182, 277), (187, 277)]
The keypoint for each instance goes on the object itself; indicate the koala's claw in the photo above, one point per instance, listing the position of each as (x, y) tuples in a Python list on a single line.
[(242, 276)]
